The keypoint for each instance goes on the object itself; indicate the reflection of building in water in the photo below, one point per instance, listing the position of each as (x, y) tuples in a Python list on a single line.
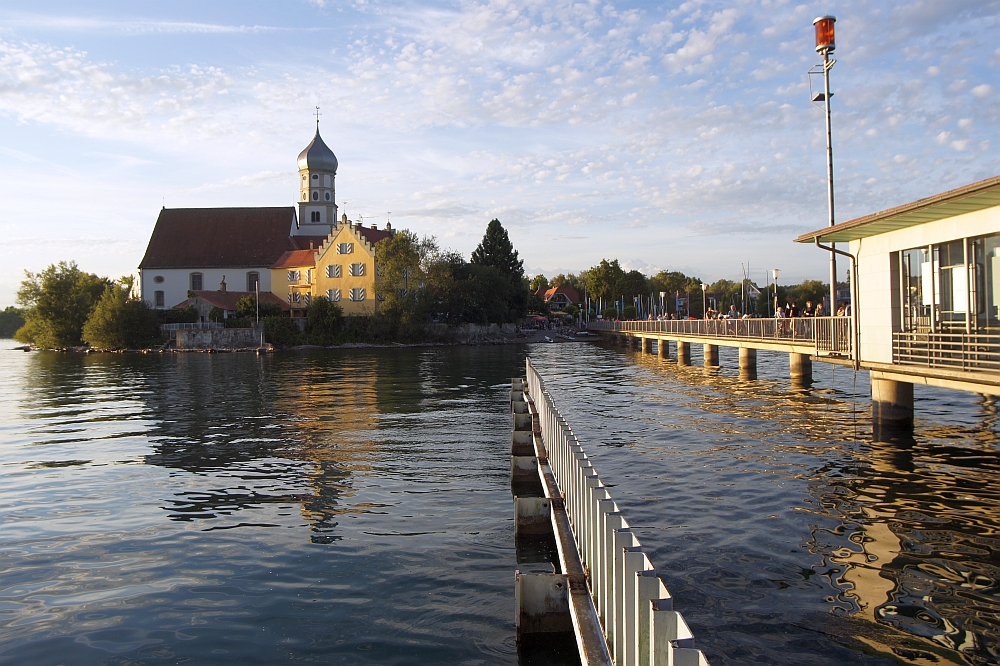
[(263, 432), (915, 519)]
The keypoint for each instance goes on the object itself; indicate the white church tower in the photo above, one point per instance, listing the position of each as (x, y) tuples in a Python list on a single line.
[(317, 191)]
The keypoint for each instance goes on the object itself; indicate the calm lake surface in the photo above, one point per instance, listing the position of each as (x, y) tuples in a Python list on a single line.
[(353, 506)]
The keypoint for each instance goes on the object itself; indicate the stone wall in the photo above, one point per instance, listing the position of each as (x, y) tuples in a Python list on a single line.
[(473, 333), (225, 338)]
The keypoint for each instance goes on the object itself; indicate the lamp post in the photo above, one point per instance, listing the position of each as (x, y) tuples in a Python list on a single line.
[(825, 44), (774, 274), (704, 301)]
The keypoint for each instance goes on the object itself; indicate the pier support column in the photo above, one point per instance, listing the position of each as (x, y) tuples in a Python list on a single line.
[(800, 368), (892, 408), (663, 348), (711, 356), (683, 353), (748, 363), (647, 345)]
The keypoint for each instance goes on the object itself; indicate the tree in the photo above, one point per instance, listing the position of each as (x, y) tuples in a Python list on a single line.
[(324, 319), (496, 250), (601, 279), (57, 303), (10, 321), (121, 321), (568, 281), (504, 282), (538, 282), (246, 308), (631, 284)]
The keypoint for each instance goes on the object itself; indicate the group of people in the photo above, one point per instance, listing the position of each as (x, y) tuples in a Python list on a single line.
[(791, 310)]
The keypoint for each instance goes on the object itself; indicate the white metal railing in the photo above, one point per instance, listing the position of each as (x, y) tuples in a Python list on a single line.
[(634, 606), (952, 351), (193, 326), (829, 335)]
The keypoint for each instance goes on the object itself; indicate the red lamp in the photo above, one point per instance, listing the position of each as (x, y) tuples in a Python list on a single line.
[(825, 40)]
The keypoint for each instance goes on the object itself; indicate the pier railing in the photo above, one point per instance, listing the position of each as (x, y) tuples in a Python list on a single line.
[(633, 605), (951, 351), (829, 335)]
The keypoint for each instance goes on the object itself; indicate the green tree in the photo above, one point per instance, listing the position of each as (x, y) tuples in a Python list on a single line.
[(504, 282), (246, 308), (282, 331), (631, 284), (496, 250), (120, 320), (538, 282), (602, 278), (57, 303), (10, 321), (629, 312), (324, 319)]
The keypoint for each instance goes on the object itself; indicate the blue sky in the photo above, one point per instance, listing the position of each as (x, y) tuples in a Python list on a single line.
[(671, 135)]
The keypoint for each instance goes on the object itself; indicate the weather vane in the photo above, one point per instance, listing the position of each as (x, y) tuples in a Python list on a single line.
[(318, 114)]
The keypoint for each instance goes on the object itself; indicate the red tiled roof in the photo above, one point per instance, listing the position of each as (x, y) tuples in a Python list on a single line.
[(373, 235), (296, 258), (570, 292), (226, 300), (218, 237)]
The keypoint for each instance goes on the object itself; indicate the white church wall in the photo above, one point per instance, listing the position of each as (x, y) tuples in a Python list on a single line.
[(177, 281)]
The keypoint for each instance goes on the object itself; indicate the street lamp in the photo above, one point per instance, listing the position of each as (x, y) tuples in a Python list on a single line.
[(704, 301), (774, 274), (825, 43)]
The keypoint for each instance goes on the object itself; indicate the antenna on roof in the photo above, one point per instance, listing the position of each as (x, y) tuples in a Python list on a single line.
[(318, 114)]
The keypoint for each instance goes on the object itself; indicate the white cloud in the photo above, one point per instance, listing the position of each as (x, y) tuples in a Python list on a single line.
[(982, 91)]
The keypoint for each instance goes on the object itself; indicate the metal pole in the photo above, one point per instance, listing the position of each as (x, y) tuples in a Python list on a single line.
[(827, 64)]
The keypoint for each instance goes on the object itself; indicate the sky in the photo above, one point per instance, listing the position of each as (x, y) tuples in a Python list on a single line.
[(671, 136)]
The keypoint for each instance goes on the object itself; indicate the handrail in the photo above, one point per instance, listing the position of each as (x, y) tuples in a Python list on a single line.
[(828, 335), (634, 606)]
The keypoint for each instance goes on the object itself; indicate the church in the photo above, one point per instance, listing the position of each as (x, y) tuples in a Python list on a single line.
[(216, 255)]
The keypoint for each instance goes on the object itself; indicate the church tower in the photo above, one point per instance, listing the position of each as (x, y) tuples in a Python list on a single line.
[(317, 191)]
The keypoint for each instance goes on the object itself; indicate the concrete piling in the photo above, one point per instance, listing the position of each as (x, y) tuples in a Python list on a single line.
[(663, 348), (683, 353), (892, 408), (711, 357), (748, 363), (800, 369)]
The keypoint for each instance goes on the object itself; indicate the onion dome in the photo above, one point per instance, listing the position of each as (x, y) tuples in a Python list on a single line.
[(317, 156)]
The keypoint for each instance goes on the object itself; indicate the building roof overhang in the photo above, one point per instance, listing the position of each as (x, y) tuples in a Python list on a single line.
[(967, 199)]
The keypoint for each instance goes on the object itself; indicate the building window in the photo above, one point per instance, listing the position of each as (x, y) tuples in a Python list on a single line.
[(158, 279), (314, 216), (333, 295), (196, 282), (253, 280), (293, 276), (315, 176), (357, 270), (357, 294), (327, 196), (305, 197), (379, 296), (345, 248), (308, 298), (309, 276), (296, 297), (333, 271), (158, 298), (315, 195)]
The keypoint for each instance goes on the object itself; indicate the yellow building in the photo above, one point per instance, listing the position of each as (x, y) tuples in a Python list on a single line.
[(342, 269)]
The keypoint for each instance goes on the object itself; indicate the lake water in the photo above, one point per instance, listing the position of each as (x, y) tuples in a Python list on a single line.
[(353, 506)]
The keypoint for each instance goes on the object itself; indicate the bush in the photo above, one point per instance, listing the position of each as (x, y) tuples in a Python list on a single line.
[(238, 322), (120, 321), (10, 321), (186, 316), (282, 331), (246, 306), (57, 303), (216, 314), (323, 321), (629, 312), (610, 313)]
